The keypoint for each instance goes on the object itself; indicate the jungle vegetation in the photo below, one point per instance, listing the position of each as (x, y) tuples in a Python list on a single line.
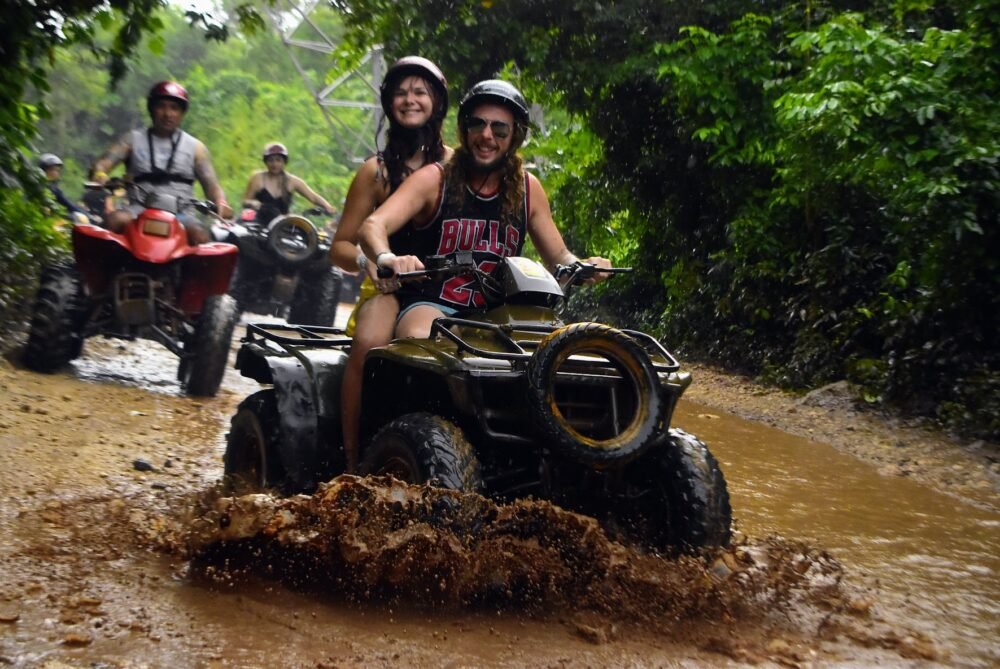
[(808, 190)]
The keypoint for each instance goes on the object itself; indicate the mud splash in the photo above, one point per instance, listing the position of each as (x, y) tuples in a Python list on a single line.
[(382, 539), (379, 540)]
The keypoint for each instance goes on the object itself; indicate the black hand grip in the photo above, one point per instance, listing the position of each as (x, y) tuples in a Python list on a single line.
[(385, 272)]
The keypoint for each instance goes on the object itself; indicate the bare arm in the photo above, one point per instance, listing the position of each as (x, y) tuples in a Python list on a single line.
[(252, 187), (365, 194), (205, 172), (546, 236), (300, 186), (116, 154), (415, 199)]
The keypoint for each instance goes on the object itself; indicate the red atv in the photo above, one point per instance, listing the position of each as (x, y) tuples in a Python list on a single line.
[(145, 282)]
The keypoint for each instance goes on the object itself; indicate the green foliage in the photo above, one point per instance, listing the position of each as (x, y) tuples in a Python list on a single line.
[(874, 253), (28, 239)]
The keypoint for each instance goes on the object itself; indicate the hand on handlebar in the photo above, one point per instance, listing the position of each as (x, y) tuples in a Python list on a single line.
[(387, 268), (590, 271), (599, 263)]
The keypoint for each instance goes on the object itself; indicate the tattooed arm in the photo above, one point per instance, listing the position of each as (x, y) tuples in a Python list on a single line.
[(116, 154), (209, 181)]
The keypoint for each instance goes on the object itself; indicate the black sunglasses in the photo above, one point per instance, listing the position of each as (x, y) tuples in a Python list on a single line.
[(501, 129)]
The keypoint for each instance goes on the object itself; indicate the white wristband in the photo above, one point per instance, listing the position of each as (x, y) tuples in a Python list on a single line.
[(362, 261), (389, 255)]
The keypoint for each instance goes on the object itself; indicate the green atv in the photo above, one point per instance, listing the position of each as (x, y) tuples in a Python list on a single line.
[(509, 402)]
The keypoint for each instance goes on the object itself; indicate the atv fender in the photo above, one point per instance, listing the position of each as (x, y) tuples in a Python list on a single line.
[(306, 387)]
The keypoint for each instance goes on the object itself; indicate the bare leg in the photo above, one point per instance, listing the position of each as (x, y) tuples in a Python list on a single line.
[(376, 320), (416, 323), (197, 232), (118, 219)]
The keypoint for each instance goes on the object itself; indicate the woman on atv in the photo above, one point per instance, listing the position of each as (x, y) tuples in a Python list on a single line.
[(414, 97), (270, 191), (483, 202)]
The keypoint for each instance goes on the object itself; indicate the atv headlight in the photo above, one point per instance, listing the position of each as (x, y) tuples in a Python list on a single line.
[(157, 228)]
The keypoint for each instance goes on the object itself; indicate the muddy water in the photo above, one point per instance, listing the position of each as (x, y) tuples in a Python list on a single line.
[(930, 562), (935, 561)]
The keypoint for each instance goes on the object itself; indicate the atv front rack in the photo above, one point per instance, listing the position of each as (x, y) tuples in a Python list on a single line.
[(522, 349)]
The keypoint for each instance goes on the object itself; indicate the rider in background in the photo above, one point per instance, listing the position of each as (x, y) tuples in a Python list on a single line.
[(414, 96), (52, 165), (165, 159), (270, 191)]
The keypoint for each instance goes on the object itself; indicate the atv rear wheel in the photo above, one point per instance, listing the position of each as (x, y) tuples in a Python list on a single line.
[(316, 299), (252, 464), (612, 413), (56, 320), (422, 447), (201, 373), (675, 497)]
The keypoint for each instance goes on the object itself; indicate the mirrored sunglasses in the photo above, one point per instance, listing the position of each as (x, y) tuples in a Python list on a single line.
[(500, 129)]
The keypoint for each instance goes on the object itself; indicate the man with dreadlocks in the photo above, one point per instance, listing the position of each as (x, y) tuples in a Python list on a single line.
[(482, 201)]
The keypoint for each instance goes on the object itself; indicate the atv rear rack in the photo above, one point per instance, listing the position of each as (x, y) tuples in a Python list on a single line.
[(317, 336), (521, 349)]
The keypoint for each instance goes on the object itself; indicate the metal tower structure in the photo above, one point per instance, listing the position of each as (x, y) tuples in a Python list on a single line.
[(292, 20)]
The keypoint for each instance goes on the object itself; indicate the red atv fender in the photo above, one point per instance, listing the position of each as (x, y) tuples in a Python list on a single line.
[(156, 237)]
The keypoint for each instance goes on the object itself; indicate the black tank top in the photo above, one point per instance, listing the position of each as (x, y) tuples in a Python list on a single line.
[(270, 206), (476, 228)]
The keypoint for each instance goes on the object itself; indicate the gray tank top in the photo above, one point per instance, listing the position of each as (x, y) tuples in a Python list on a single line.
[(170, 167)]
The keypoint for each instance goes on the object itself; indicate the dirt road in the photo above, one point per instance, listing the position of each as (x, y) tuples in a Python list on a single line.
[(104, 467)]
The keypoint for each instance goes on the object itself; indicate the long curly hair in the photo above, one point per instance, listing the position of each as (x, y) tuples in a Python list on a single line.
[(460, 169), (403, 143)]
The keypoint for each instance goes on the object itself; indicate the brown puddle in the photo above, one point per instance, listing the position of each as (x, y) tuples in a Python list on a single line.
[(934, 560)]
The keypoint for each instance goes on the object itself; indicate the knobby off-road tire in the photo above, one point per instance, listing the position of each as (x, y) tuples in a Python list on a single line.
[(316, 299), (678, 499), (422, 447), (252, 463), (201, 374), (56, 320), (641, 429), (247, 284)]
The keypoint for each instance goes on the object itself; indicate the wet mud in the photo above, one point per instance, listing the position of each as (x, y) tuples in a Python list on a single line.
[(381, 541), (121, 551)]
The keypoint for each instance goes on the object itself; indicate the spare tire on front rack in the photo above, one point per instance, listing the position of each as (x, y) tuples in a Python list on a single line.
[(612, 412)]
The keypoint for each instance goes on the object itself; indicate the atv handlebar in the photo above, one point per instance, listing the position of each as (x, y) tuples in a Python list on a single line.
[(205, 207), (579, 271), (462, 263)]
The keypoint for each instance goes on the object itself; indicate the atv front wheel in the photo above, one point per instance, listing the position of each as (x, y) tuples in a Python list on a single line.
[(601, 408), (419, 447), (251, 460), (675, 497), (201, 373), (248, 283), (316, 299), (56, 320)]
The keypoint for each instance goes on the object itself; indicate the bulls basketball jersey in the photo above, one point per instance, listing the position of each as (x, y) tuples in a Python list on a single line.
[(476, 227)]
